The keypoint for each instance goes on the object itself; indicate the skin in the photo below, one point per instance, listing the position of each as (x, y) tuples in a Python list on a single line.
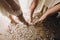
[(32, 8), (49, 12), (11, 7)]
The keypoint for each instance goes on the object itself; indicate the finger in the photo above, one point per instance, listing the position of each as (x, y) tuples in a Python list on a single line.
[(43, 17), (35, 22)]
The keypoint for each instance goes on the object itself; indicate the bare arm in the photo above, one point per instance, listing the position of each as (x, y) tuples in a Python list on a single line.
[(13, 6), (32, 8), (49, 12)]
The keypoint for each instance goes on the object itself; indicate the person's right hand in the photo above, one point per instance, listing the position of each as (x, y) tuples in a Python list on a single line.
[(37, 21), (49, 12)]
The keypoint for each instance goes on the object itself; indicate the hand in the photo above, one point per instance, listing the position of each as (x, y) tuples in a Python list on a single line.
[(39, 20), (14, 19), (26, 23), (32, 8), (31, 20)]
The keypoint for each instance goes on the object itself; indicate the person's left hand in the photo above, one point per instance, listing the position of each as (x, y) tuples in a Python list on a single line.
[(32, 7)]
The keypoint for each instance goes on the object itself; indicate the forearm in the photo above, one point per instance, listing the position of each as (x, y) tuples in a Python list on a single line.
[(33, 4), (32, 7), (51, 11)]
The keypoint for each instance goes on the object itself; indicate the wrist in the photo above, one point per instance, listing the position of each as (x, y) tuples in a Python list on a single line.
[(43, 17)]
